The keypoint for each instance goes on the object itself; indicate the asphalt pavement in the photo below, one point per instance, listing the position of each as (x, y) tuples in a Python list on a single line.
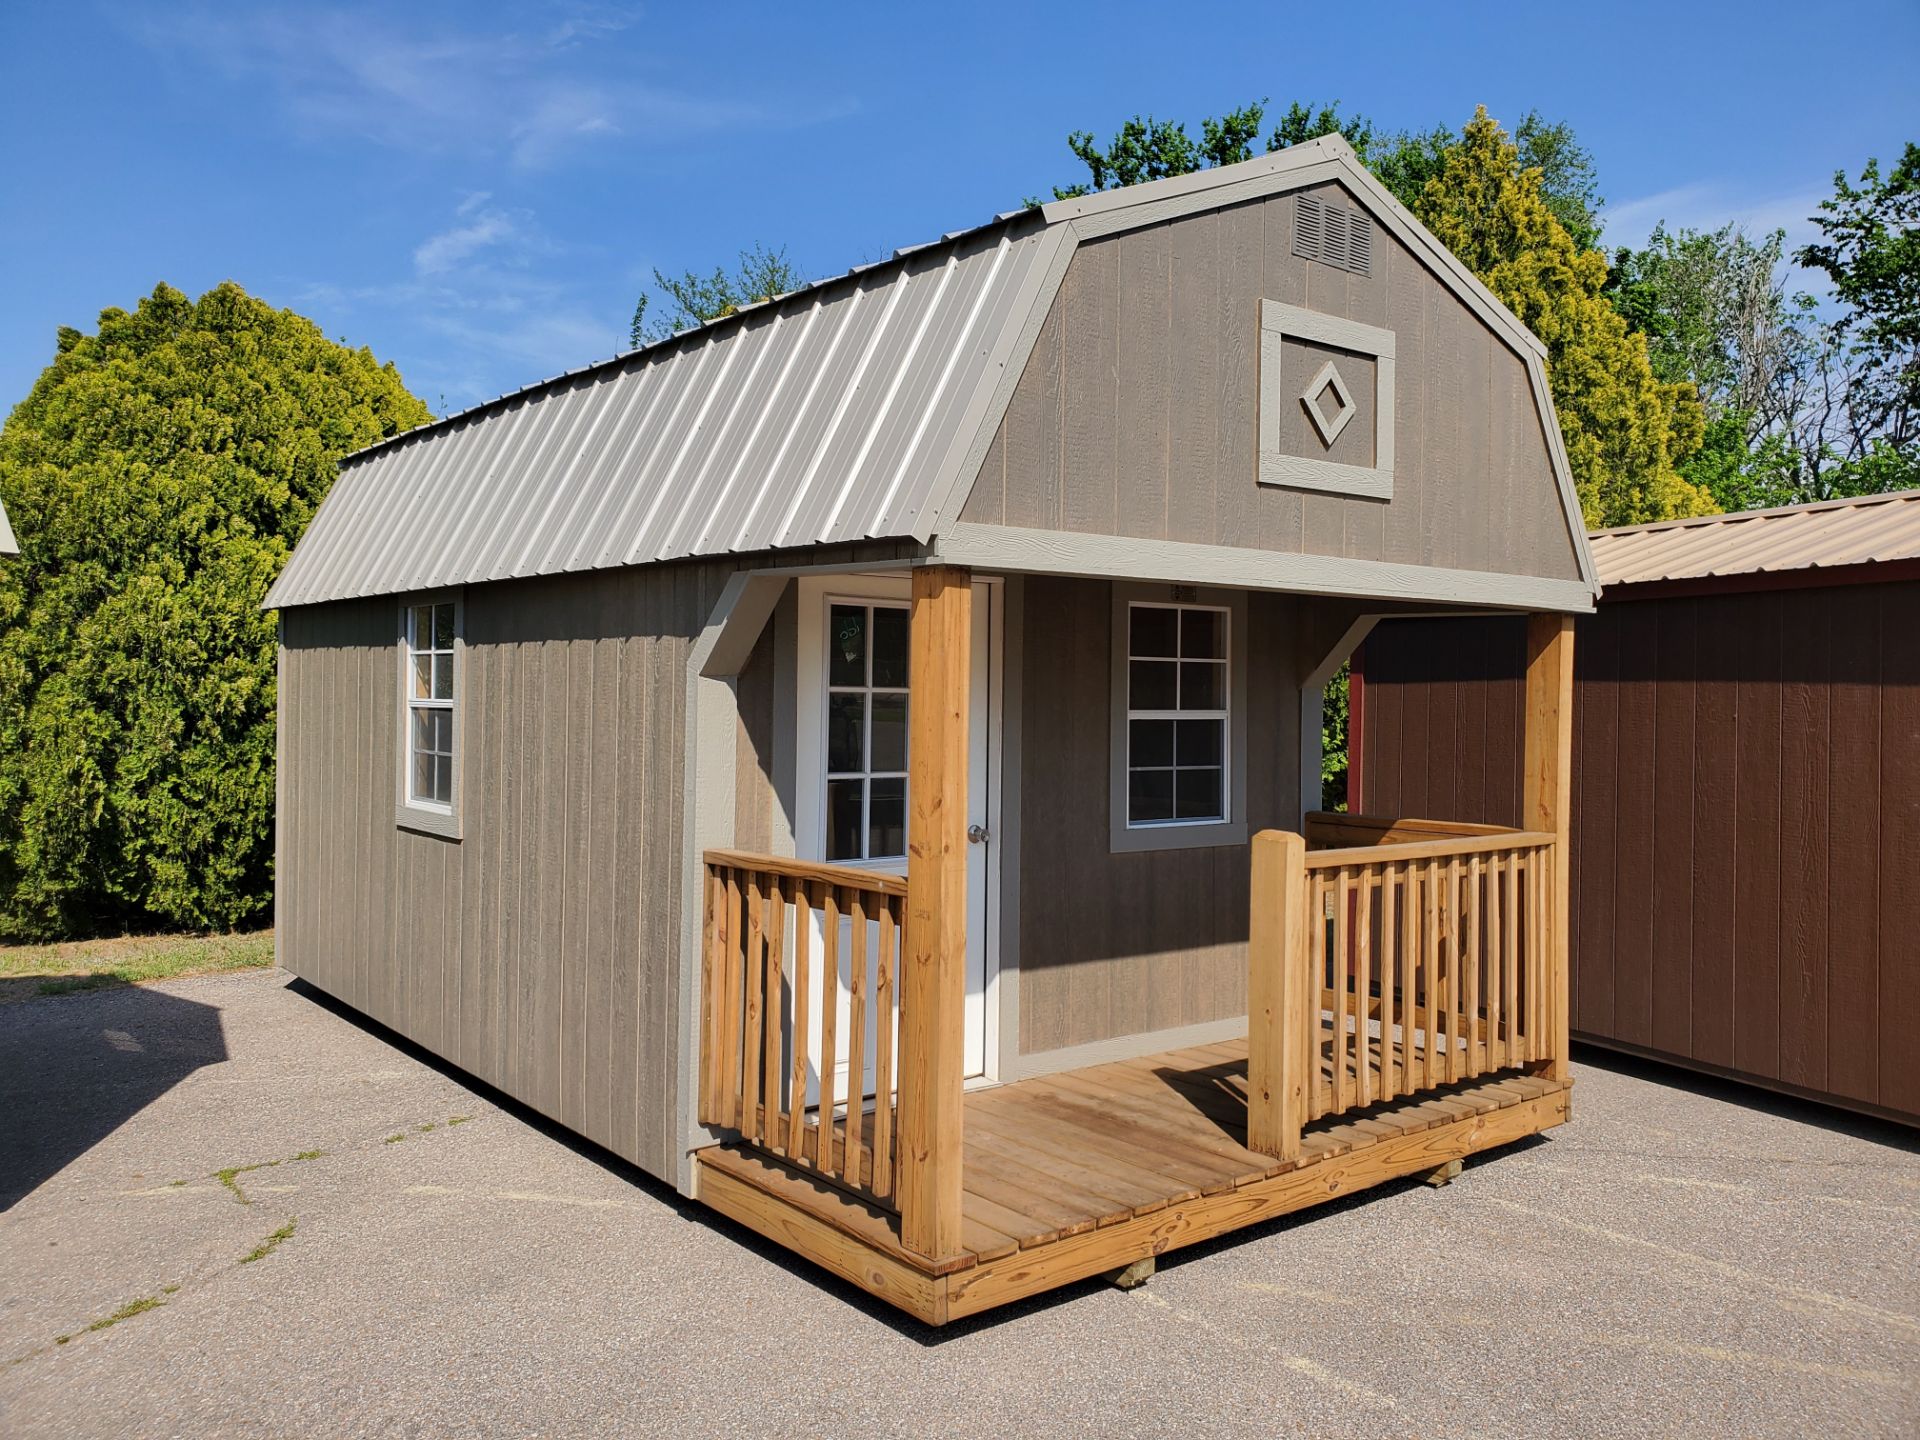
[(427, 1259)]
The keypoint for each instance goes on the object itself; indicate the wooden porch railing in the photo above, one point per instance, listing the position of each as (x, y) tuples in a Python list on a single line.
[(1380, 971), (774, 1035)]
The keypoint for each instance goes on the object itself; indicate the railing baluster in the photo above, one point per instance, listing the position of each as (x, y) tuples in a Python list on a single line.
[(1409, 992), (829, 1022), (751, 1041), (1476, 1043), (1363, 986), (854, 1154), (883, 1116), (1389, 1048), (1342, 987), (775, 925), (797, 1085), (1321, 966)]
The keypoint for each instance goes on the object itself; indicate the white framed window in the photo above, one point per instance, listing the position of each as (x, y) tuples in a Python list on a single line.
[(865, 731), (430, 629), (1178, 733), (1177, 712)]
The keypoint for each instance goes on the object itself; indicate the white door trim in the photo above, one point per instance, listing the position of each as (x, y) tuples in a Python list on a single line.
[(815, 593)]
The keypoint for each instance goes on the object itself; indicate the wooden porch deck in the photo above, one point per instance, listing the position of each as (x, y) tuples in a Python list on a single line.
[(1084, 1172)]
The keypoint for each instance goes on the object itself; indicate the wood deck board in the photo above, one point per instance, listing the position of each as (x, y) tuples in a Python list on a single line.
[(1145, 1152)]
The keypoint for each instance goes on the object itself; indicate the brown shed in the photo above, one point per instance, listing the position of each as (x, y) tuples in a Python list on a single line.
[(1746, 806)]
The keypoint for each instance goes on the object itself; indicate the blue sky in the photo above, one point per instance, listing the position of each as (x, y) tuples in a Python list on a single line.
[(478, 192)]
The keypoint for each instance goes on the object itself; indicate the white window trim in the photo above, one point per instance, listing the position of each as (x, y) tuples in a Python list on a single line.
[(426, 816), (1179, 834)]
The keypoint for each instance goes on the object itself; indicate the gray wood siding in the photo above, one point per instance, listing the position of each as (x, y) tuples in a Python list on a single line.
[(1136, 414), (1123, 944), (539, 952)]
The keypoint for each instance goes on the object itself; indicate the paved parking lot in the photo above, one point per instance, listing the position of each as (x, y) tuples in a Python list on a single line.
[(1673, 1262)]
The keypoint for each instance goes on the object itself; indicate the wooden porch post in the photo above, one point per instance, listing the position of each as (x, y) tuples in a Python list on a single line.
[(1277, 985), (1547, 799), (933, 981)]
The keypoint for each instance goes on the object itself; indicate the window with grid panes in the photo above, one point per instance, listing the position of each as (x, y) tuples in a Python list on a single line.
[(866, 731), (1177, 710), (429, 685)]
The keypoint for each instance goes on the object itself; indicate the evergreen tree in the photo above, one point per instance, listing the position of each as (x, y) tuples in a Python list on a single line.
[(1625, 430), (158, 474)]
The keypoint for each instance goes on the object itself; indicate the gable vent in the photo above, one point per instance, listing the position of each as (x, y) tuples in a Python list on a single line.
[(1333, 235)]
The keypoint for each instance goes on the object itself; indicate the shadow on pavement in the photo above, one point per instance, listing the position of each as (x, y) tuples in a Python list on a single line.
[(73, 1069)]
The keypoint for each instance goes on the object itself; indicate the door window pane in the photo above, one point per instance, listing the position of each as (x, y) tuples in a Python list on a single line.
[(847, 645), (890, 646), (844, 823), (889, 729), (846, 732), (887, 818)]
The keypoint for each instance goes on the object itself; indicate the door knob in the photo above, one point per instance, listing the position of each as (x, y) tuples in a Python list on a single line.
[(978, 835)]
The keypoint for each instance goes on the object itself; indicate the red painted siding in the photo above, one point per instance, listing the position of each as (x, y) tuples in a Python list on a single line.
[(1746, 818)]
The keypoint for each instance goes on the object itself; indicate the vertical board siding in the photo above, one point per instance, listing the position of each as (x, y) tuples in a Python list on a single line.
[(1137, 413), (1122, 944), (1746, 846), (540, 951)]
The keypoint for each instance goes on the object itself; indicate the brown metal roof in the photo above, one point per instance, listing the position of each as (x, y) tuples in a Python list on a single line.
[(1822, 535)]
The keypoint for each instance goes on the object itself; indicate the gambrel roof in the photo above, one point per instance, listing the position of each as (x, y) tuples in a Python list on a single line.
[(856, 408)]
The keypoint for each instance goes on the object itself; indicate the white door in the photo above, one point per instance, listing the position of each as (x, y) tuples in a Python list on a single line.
[(853, 696)]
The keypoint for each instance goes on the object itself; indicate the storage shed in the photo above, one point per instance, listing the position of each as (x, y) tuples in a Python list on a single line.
[(859, 759), (1746, 794), (8, 545)]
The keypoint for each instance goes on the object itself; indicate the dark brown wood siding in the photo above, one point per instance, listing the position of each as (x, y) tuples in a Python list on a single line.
[(1746, 828)]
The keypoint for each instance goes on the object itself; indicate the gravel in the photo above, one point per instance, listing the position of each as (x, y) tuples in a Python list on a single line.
[(1684, 1258)]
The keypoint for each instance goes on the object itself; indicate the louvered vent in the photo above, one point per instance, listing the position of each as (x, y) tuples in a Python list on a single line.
[(1333, 235)]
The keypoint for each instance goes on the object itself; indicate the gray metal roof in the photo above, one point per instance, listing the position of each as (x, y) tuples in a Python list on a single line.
[(839, 413), (1796, 537), (853, 409)]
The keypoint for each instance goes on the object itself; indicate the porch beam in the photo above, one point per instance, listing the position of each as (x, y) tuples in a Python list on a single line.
[(1547, 795), (933, 982)]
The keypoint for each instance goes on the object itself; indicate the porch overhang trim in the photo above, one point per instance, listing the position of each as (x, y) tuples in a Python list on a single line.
[(1063, 552)]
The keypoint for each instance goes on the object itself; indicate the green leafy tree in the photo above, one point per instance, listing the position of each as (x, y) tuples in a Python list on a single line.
[(693, 299), (158, 474), (1870, 250)]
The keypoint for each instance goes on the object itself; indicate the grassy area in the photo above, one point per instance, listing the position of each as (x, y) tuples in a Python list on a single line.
[(30, 970)]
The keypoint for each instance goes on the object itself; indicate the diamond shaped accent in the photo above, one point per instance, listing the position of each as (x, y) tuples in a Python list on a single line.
[(1328, 379)]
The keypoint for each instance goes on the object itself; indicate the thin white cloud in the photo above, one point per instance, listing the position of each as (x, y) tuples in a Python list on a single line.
[(1709, 204), (392, 77), (440, 252), (478, 313)]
